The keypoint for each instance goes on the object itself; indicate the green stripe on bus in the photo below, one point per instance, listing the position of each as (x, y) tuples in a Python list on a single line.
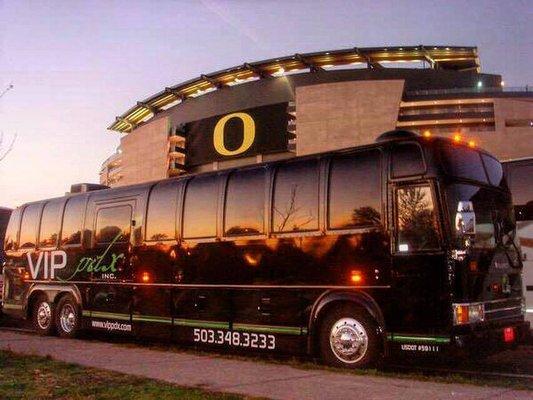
[(150, 318), (100, 314), (409, 339), (289, 330), (12, 306), (201, 324)]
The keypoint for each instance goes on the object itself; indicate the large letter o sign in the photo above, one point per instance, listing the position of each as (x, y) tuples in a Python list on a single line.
[(248, 134)]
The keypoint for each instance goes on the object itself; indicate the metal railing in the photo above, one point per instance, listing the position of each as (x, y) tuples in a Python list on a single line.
[(501, 89), (112, 158)]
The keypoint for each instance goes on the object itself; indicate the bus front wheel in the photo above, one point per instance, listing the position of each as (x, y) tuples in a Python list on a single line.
[(349, 338), (43, 316), (68, 317)]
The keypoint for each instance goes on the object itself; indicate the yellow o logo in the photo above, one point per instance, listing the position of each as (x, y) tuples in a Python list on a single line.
[(248, 134)]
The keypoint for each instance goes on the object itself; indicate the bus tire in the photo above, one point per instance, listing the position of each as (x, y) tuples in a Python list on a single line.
[(68, 317), (349, 338), (43, 316)]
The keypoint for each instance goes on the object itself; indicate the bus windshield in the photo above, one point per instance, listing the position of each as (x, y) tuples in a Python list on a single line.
[(494, 213), (461, 162)]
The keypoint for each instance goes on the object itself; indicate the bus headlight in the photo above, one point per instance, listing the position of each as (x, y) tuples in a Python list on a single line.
[(468, 313)]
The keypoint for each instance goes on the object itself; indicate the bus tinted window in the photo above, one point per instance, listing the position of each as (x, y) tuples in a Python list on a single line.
[(355, 190), (12, 230), (416, 219), (494, 169), (245, 203), (72, 220), (295, 206), (463, 163), (28, 228), (407, 160), (161, 219), (113, 224), (520, 183), (50, 222), (200, 208)]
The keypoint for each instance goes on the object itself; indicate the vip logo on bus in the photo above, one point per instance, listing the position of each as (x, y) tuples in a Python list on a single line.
[(96, 264), (49, 261), (52, 261)]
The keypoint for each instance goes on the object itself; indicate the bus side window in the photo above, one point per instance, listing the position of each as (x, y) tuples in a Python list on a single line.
[(161, 219), (49, 231), (113, 224), (200, 208), (245, 203), (28, 228), (415, 219), (295, 203), (12, 230), (72, 219), (355, 191)]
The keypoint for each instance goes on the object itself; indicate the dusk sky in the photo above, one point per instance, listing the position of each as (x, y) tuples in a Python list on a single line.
[(76, 65)]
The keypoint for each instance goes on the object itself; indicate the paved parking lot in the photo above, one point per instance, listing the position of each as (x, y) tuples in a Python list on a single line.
[(241, 376)]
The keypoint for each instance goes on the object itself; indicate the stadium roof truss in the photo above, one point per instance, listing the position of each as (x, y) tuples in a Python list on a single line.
[(438, 57)]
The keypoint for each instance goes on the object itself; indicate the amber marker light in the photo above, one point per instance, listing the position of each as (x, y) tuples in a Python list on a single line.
[(426, 134), (457, 138), (496, 288), (356, 276), (145, 277), (461, 314), (471, 143)]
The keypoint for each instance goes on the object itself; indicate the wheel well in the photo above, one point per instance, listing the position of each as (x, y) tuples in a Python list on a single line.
[(61, 295), (323, 312), (31, 302)]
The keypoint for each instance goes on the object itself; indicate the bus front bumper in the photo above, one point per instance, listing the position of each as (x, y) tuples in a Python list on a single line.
[(494, 338)]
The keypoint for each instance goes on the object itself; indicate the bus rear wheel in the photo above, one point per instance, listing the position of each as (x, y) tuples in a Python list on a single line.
[(349, 338), (68, 317), (43, 316)]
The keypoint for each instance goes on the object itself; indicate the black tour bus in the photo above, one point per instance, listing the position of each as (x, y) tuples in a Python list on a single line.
[(406, 244)]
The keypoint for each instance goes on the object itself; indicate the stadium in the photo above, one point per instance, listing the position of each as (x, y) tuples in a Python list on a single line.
[(314, 102)]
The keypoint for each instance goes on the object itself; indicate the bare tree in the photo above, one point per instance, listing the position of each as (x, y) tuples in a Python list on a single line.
[(7, 89), (6, 149)]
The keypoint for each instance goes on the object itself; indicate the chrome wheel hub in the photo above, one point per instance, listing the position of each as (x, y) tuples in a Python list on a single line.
[(67, 318), (44, 315), (348, 340)]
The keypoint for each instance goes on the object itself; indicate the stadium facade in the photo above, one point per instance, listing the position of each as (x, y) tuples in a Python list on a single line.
[(315, 102)]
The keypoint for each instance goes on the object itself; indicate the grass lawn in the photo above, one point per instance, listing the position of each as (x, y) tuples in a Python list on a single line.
[(32, 377)]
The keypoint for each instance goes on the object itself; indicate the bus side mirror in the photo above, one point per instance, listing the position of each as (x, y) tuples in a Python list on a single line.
[(465, 219)]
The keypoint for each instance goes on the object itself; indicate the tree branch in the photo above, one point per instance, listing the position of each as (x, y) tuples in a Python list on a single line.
[(3, 153)]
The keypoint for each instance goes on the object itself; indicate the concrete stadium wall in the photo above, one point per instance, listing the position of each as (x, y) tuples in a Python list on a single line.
[(335, 116), (145, 153)]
